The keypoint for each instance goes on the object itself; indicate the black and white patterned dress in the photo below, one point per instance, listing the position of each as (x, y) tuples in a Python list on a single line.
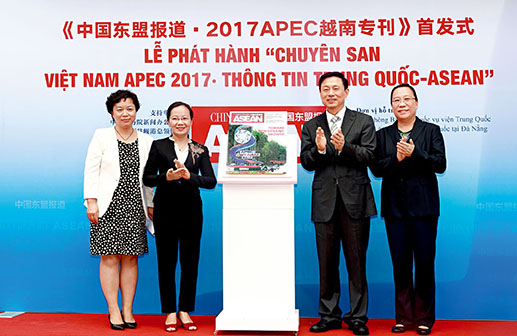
[(121, 230)]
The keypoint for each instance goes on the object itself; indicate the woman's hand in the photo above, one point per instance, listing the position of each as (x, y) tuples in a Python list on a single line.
[(185, 173), (180, 172), (150, 212), (92, 210), (172, 175), (405, 148)]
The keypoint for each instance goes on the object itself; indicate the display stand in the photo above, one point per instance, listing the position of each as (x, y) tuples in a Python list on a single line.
[(258, 250)]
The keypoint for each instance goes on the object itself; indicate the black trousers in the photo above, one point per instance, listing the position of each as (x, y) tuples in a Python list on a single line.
[(413, 239), (177, 231), (353, 235)]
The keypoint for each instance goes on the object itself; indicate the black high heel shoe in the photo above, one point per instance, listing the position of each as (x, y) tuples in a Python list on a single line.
[(423, 330), (115, 326), (398, 328), (129, 325)]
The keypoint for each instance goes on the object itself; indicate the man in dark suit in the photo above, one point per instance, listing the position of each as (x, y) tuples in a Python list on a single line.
[(338, 145)]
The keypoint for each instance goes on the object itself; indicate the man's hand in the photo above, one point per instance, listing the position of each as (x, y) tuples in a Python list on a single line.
[(321, 140), (338, 140)]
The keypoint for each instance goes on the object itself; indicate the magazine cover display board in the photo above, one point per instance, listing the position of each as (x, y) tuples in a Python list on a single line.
[(257, 143), (258, 173), (257, 149)]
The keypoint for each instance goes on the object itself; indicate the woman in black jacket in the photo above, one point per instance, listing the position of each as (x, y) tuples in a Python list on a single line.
[(178, 167), (409, 155)]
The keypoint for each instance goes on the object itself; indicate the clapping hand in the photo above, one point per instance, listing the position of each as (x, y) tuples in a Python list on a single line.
[(405, 148), (180, 172), (183, 171), (338, 140), (321, 140)]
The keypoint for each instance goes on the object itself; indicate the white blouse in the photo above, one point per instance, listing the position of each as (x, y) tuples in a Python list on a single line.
[(182, 155)]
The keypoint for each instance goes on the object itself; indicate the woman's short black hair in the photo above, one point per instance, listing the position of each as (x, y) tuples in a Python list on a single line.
[(179, 103), (120, 95), (401, 86)]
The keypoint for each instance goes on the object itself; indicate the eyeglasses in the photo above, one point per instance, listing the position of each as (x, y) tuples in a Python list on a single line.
[(176, 119), (397, 101)]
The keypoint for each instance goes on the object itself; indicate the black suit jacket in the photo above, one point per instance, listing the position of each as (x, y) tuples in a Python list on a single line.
[(182, 191), (345, 172), (410, 187)]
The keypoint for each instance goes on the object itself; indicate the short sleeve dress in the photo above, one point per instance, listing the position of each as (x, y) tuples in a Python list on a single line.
[(121, 230)]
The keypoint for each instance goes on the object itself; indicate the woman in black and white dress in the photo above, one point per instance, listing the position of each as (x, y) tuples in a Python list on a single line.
[(117, 204)]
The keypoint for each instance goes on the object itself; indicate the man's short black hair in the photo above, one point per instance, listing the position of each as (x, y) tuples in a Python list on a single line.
[(333, 74)]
